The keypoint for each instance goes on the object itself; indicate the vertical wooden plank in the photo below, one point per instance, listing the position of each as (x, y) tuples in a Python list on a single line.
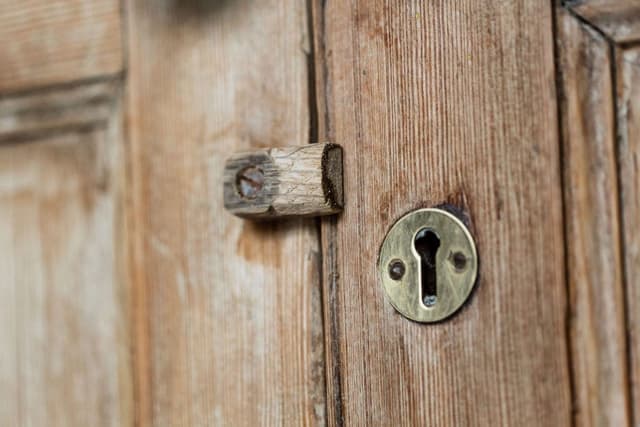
[(445, 102), (46, 42), (9, 405), (64, 307), (232, 309), (594, 263), (628, 79)]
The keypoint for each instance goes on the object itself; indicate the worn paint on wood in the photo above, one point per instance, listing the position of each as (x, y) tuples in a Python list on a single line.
[(228, 312), (64, 310), (594, 262), (628, 90), (455, 102), (47, 42)]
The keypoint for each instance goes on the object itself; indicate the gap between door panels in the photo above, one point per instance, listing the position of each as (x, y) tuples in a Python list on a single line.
[(320, 131)]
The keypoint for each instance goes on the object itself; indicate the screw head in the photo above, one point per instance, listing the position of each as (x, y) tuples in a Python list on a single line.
[(459, 260), (249, 182), (396, 269)]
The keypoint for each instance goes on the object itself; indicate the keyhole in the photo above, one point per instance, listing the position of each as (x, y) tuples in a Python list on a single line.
[(427, 244)]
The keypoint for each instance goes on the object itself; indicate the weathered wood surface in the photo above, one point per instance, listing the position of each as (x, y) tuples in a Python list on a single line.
[(628, 90), (618, 19), (228, 312), (41, 114), (455, 102), (65, 358), (47, 42), (594, 260), (284, 182)]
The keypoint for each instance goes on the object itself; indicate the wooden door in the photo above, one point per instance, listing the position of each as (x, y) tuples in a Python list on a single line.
[(131, 297)]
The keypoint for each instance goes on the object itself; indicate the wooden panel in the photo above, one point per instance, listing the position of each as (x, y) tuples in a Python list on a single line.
[(40, 114), (55, 41), (65, 358), (230, 310), (628, 79), (618, 19), (595, 276), (445, 102)]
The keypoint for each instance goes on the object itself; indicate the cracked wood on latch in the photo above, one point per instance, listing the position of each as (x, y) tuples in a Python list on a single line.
[(290, 181)]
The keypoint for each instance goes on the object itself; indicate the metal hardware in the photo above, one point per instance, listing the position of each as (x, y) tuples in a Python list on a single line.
[(428, 265)]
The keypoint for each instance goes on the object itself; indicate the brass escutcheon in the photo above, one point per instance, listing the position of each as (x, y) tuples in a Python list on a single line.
[(428, 265)]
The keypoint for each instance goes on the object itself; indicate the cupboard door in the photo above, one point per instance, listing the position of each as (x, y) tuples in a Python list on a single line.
[(131, 297), (599, 93), (64, 315), (227, 312), (445, 103), (64, 305)]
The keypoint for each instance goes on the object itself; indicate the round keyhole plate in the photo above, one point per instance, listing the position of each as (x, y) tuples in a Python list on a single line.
[(456, 265)]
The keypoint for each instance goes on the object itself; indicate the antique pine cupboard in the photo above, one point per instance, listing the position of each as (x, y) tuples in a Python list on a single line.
[(130, 296)]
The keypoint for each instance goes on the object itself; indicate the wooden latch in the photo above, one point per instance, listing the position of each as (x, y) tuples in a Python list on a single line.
[(282, 182)]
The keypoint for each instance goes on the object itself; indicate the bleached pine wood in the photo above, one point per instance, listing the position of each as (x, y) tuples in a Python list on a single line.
[(284, 182), (438, 102), (47, 42), (618, 19), (594, 261), (63, 306), (228, 312), (40, 114), (628, 90)]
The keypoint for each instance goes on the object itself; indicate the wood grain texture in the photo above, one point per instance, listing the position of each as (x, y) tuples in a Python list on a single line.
[(284, 182), (628, 79), (47, 42), (230, 310), (618, 19), (63, 301), (41, 114), (594, 260), (454, 102)]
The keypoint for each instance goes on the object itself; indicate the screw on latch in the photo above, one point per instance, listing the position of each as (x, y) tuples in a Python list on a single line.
[(249, 182)]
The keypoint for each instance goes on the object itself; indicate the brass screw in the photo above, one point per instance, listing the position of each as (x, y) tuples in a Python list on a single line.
[(396, 269), (249, 182), (459, 261)]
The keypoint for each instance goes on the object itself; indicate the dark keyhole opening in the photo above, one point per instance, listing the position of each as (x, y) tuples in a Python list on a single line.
[(427, 244)]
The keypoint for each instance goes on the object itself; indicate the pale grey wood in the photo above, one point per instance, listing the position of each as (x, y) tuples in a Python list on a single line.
[(40, 114), (285, 182)]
